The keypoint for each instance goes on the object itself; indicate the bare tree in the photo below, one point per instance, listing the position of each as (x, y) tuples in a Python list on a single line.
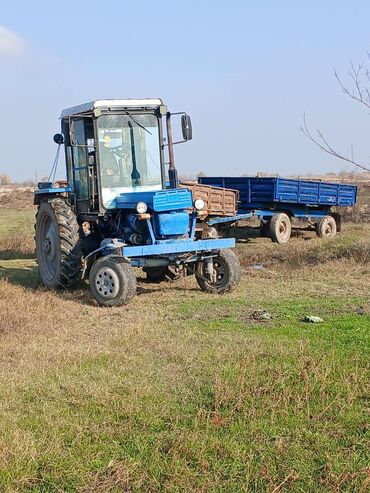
[(358, 90), (4, 180), (200, 174)]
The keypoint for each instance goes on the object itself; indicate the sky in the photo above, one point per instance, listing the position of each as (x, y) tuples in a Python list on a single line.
[(246, 72)]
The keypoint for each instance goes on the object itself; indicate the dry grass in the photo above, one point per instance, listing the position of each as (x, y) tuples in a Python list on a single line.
[(182, 391), (16, 198), (17, 247), (304, 248), (17, 233)]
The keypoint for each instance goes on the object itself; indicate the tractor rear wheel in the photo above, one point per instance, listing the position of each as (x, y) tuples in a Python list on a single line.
[(58, 244), (112, 281), (326, 227), (280, 228), (226, 274)]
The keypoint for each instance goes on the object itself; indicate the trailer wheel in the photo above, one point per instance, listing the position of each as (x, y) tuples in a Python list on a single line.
[(280, 228), (326, 227), (226, 268), (112, 281), (58, 244)]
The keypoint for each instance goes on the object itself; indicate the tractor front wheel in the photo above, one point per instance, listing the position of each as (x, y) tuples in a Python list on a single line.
[(58, 244), (112, 281), (220, 273)]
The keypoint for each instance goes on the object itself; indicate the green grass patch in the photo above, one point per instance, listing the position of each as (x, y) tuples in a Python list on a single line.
[(17, 222)]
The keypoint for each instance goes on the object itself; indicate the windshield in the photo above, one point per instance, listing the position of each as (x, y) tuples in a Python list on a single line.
[(129, 152)]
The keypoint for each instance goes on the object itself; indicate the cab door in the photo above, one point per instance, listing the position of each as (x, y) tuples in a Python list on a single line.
[(81, 167), (79, 164)]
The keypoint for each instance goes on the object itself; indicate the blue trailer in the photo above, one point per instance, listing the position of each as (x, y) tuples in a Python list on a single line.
[(275, 201)]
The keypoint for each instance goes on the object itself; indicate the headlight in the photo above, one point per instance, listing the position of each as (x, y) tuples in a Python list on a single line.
[(199, 204), (141, 207)]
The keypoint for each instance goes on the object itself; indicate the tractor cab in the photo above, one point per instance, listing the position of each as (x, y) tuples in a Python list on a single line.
[(116, 149)]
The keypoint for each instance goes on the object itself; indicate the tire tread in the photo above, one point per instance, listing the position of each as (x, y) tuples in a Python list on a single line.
[(232, 261), (70, 242)]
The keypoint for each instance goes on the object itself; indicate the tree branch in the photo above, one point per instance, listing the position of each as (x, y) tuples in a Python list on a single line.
[(321, 142), (360, 93)]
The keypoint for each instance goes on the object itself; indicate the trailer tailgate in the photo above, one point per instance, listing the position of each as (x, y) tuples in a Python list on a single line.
[(218, 201)]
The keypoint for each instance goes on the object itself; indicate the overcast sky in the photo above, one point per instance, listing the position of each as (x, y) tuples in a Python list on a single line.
[(245, 71)]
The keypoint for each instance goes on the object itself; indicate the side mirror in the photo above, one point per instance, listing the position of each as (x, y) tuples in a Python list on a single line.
[(58, 139), (187, 132)]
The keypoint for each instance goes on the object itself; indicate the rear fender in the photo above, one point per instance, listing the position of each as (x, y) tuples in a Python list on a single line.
[(44, 193)]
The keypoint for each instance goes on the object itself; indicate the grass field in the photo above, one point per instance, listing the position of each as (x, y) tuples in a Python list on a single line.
[(183, 391)]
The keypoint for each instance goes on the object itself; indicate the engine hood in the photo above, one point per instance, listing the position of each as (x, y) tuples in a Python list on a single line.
[(158, 201)]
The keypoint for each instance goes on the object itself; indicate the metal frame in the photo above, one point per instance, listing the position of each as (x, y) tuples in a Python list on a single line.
[(45, 191), (124, 113), (107, 104), (175, 247), (160, 253), (261, 213)]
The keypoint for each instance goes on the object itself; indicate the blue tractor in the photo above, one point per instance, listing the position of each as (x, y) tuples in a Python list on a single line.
[(121, 207)]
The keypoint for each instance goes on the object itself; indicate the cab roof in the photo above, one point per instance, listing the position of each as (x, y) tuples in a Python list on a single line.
[(112, 103)]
